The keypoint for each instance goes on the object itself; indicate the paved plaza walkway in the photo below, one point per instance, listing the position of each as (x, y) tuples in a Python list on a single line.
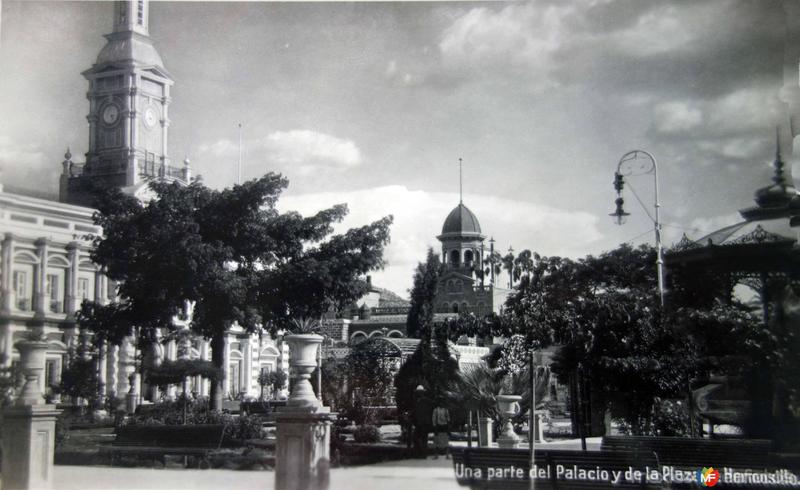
[(433, 474), (430, 474)]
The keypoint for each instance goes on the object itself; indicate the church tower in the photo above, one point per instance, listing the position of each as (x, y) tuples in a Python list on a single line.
[(129, 97)]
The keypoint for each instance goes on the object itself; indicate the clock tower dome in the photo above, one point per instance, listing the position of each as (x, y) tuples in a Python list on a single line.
[(129, 97)]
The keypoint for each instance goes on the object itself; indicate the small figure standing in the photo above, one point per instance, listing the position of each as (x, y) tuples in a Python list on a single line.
[(441, 429)]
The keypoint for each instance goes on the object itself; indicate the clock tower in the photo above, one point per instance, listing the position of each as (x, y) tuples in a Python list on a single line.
[(129, 97)]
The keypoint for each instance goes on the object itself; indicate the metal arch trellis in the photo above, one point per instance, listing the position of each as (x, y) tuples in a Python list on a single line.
[(757, 236)]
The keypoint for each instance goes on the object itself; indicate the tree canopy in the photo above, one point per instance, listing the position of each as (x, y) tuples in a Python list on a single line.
[(231, 253), (604, 314), (423, 293)]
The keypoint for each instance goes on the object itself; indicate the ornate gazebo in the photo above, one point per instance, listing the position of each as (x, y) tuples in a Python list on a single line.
[(755, 261)]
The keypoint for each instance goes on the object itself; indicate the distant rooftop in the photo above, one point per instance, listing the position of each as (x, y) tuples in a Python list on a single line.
[(36, 193), (389, 299)]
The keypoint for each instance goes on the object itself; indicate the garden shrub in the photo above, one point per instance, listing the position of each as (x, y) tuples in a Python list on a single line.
[(367, 433), (199, 413), (62, 430), (667, 418)]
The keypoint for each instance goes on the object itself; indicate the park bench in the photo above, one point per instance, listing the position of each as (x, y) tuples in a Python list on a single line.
[(694, 453), (499, 460), (157, 441)]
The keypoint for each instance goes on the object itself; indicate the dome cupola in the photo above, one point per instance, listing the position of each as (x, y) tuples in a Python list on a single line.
[(461, 222)]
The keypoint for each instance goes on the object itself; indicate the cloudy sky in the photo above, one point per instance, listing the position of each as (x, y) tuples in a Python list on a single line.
[(372, 104)]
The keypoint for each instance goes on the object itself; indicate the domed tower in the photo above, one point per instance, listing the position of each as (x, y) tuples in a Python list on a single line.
[(461, 241), (462, 254)]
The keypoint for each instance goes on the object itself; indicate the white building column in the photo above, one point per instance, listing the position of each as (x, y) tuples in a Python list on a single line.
[(40, 299), (71, 304), (6, 266), (112, 371), (226, 384), (100, 288), (6, 344), (102, 366), (171, 351), (127, 362), (204, 355), (247, 369)]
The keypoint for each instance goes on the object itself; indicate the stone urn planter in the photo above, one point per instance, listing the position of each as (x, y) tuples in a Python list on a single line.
[(508, 405), (32, 361), (303, 361)]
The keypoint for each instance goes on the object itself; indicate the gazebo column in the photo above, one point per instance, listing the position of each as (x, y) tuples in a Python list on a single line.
[(170, 355)]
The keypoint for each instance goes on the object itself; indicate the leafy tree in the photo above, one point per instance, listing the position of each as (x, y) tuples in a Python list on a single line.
[(176, 372), (433, 367), (277, 379), (229, 252), (613, 335), (79, 379), (514, 354), (423, 293), (471, 325), (601, 311), (11, 380)]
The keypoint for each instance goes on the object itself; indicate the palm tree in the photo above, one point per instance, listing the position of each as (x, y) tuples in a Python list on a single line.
[(477, 388), (523, 264), (508, 265), (520, 384), (493, 264)]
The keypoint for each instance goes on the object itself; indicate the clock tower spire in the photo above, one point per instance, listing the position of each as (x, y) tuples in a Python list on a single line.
[(129, 97)]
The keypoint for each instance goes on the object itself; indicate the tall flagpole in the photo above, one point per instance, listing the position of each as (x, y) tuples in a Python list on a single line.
[(460, 184), (239, 173)]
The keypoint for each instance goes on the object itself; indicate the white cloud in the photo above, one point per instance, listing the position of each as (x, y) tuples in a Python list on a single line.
[(19, 161), (419, 215), (673, 117), (303, 146), (747, 109), (700, 227), (524, 35), (391, 68), (302, 151), (223, 147), (661, 31)]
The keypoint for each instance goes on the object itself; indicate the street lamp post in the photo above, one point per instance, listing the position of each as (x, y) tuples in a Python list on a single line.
[(627, 167)]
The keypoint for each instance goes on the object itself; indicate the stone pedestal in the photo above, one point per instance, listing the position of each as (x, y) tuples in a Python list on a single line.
[(132, 397), (28, 445), (536, 434), (485, 431), (303, 449)]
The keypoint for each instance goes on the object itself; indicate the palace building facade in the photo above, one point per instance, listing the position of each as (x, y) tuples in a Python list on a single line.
[(45, 265)]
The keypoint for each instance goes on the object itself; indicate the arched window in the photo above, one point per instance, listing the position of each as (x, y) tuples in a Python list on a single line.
[(455, 258), (459, 285), (455, 307), (468, 258)]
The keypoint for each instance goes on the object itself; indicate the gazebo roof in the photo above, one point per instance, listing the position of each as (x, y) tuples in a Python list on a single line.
[(766, 239)]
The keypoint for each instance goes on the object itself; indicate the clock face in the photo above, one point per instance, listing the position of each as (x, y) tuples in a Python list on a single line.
[(110, 114), (150, 117)]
